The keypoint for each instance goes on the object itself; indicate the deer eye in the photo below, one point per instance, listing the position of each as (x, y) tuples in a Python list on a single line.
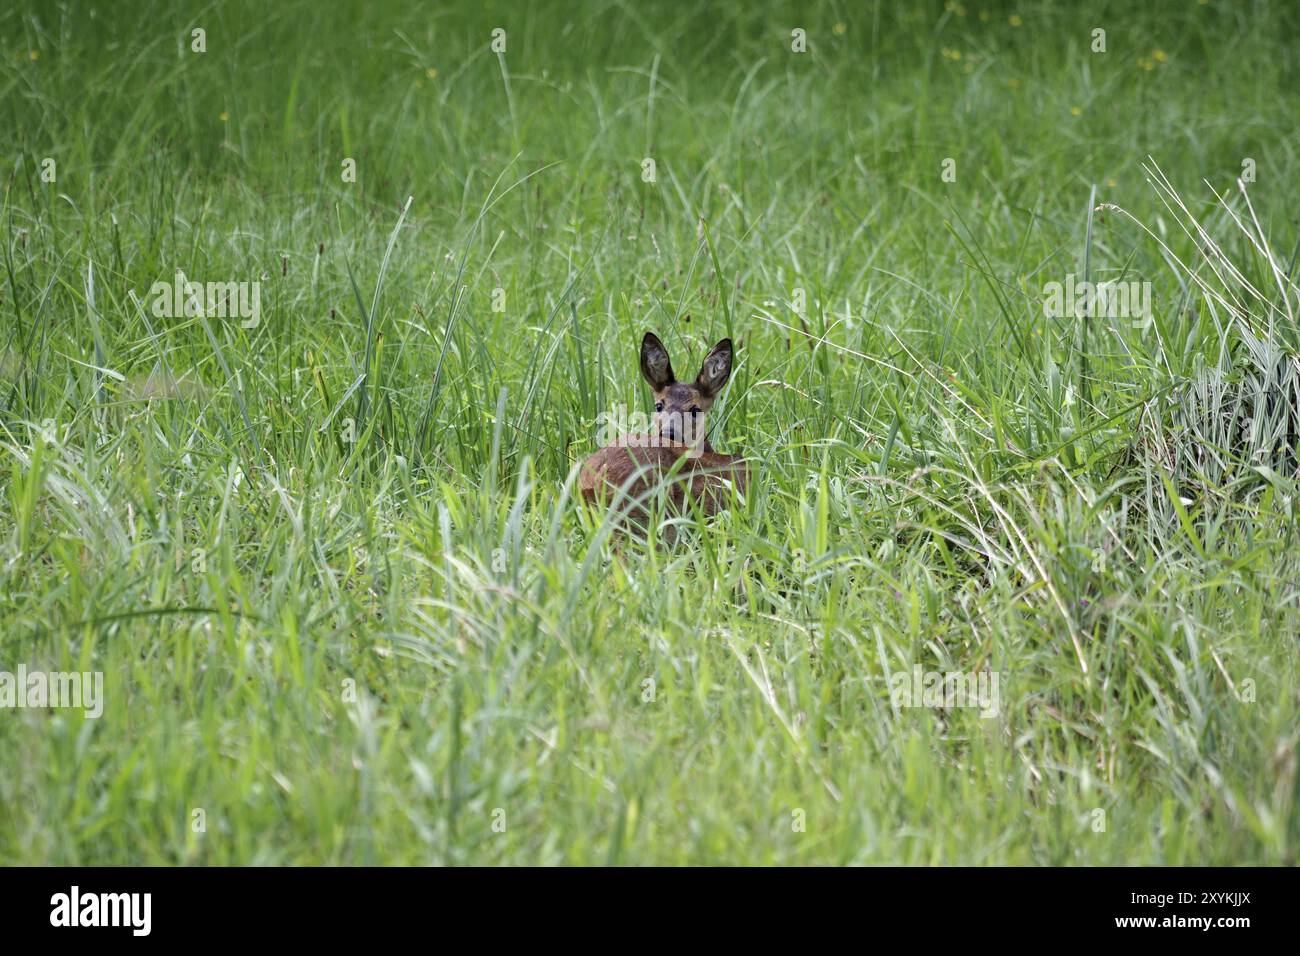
[(659, 406)]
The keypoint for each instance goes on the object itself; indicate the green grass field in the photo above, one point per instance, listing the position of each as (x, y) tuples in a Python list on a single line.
[(330, 564)]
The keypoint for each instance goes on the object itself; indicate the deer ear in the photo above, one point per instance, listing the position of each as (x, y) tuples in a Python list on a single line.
[(656, 368), (716, 369)]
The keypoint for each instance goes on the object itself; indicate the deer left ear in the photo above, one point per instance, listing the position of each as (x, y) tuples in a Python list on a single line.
[(655, 367), (716, 369)]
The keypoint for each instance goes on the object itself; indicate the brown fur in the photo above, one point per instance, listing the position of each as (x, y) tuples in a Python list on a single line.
[(639, 464), (705, 478)]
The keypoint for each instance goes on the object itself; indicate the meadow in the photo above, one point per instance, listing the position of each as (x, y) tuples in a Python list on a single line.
[(326, 552)]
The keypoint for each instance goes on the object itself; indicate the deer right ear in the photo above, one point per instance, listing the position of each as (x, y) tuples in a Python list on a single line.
[(716, 369), (656, 368)]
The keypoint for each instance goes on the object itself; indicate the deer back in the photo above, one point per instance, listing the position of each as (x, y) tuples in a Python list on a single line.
[(705, 476)]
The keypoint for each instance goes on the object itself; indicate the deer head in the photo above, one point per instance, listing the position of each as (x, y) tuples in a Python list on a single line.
[(681, 407)]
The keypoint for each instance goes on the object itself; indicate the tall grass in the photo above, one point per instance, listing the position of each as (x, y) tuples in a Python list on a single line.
[(332, 566)]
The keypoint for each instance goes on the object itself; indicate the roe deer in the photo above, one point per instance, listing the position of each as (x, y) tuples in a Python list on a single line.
[(641, 463)]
